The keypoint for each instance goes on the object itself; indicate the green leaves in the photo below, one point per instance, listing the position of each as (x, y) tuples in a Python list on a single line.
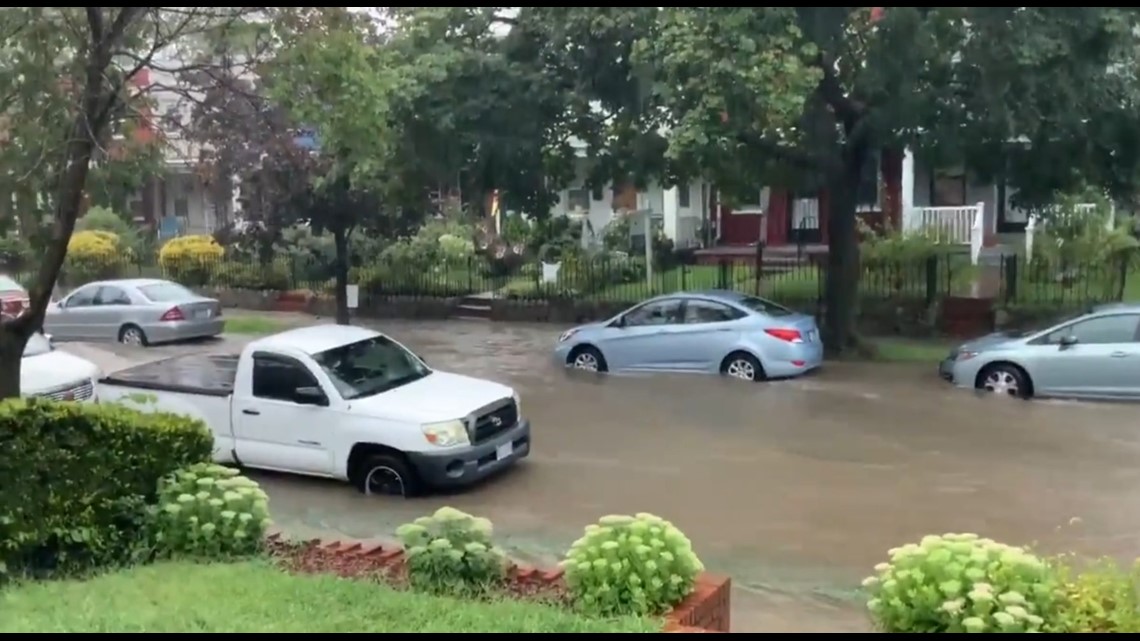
[(451, 552)]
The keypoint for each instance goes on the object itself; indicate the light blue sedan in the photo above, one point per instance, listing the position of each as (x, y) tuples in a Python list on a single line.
[(713, 332), (1094, 355)]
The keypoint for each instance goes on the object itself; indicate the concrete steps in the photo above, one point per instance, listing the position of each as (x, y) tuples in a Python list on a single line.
[(474, 308)]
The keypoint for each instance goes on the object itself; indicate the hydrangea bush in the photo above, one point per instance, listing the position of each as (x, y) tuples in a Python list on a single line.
[(962, 583), (636, 565), (450, 552), (209, 510)]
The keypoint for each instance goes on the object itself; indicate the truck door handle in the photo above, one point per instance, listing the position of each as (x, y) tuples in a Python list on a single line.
[(308, 442), (1119, 354), (251, 412)]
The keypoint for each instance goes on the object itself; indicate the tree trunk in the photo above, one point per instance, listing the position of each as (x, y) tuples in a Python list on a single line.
[(841, 293), (340, 267), (12, 342)]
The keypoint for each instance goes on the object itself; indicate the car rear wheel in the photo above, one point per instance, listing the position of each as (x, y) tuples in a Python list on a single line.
[(1003, 380), (742, 366), (132, 335), (587, 359)]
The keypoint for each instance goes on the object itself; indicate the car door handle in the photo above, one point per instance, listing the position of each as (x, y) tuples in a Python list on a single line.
[(308, 442), (1119, 354), (251, 412)]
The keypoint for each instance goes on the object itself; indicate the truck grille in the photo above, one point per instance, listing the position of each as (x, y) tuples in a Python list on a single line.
[(73, 392), (495, 419)]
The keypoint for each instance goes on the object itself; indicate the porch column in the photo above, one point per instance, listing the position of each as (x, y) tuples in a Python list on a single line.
[(906, 190)]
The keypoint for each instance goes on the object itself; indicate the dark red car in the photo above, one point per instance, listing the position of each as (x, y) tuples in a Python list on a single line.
[(13, 297)]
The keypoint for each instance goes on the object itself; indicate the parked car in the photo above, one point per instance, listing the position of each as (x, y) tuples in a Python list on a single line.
[(1092, 355), (340, 402), (713, 332), (13, 297), (51, 373), (137, 311)]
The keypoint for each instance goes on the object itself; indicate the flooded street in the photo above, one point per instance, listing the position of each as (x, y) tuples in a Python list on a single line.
[(794, 488)]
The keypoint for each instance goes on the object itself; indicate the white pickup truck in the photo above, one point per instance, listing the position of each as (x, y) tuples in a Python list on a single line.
[(341, 402)]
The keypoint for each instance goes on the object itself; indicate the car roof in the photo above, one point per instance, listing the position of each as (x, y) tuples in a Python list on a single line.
[(132, 282), (1114, 307), (315, 339), (723, 295)]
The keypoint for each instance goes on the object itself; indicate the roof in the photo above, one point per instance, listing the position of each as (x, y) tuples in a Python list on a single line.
[(132, 282), (315, 339)]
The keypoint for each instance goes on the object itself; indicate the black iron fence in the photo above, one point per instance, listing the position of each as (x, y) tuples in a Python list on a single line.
[(799, 282)]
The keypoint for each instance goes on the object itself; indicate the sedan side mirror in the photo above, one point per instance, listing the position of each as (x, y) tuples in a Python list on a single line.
[(310, 395), (1068, 341)]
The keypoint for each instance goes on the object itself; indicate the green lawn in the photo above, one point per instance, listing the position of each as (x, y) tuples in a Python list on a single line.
[(906, 350), (257, 597), (254, 325)]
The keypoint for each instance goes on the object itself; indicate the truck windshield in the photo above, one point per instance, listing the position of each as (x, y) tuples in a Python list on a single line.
[(370, 366)]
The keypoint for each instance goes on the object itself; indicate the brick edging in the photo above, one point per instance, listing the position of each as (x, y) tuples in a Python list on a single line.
[(707, 609)]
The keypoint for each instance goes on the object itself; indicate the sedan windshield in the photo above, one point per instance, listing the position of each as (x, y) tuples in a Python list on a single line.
[(370, 366), (37, 344)]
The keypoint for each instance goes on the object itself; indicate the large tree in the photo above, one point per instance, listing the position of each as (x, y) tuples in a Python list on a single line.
[(66, 76), (1039, 95)]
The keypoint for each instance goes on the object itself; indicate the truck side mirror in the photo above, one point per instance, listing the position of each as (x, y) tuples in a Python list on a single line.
[(310, 395)]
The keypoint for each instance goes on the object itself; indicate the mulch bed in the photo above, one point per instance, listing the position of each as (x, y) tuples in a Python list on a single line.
[(373, 562)]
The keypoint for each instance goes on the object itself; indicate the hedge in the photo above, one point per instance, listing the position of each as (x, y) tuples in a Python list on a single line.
[(76, 480)]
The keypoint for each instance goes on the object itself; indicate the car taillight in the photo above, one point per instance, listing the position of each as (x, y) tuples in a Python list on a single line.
[(789, 335), (173, 314)]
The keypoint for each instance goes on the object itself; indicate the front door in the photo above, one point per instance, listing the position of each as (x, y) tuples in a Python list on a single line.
[(642, 340), (804, 222), (274, 431)]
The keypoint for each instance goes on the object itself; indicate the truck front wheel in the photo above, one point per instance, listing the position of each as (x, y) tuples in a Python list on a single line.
[(386, 473)]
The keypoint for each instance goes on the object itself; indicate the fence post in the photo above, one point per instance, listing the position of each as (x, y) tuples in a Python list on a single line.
[(1125, 259), (759, 265), (684, 277), (471, 275), (722, 275), (1009, 274), (931, 279)]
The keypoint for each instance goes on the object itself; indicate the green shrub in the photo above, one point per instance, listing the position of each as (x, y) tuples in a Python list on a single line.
[(210, 511), (450, 552), (76, 479), (250, 274), (1102, 598), (631, 565), (15, 252), (962, 583)]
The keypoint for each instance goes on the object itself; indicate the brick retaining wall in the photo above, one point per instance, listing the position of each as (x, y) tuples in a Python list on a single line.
[(707, 609)]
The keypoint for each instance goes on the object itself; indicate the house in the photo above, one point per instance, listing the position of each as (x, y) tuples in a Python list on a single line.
[(177, 200), (899, 190), (681, 211)]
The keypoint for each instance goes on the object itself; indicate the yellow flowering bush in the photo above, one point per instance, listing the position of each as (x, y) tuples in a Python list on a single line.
[(209, 510), (963, 583), (450, 552), (635, 565), (190, 260), (94, 255)]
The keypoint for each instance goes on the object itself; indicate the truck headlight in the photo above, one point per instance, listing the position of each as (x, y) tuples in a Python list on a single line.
[(518, 404), (446, 433)]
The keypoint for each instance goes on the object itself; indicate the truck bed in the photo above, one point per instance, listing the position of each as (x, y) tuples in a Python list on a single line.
[(205, 374)]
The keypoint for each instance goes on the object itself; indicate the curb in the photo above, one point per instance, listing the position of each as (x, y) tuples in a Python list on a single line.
[(706, 610)]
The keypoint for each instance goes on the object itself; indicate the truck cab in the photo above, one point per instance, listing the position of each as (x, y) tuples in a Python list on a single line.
[(341, 402)]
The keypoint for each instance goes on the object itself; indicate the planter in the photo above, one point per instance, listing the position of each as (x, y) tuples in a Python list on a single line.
[(707, 609)]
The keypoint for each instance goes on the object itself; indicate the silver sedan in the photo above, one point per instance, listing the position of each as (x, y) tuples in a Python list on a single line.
[(136, 311)]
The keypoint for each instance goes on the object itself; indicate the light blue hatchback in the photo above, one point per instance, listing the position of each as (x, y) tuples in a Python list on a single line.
[(712, 332)]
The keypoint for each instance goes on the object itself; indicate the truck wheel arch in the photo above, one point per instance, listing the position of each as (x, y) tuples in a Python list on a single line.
[(364, 458)]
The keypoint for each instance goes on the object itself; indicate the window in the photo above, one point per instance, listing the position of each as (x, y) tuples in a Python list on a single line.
[(1120, 328), (867, 192), (83, 298), (167, 293), (578, 199), (703, 311), (108, 295), (370, 366), (948, 187), (764, 306), (683, 197), (660, 312), (277, 378)]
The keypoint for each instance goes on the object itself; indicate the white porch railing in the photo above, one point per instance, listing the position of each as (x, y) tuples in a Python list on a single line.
[(1035, 223), (954, 225)]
